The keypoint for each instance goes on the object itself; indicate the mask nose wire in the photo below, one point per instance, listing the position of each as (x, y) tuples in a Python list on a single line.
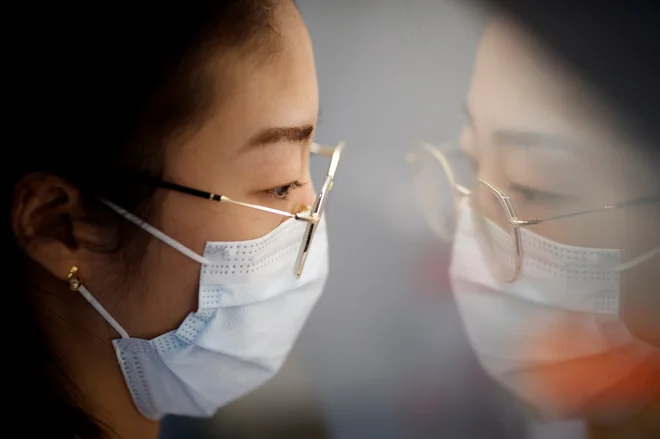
[(157, 233), (639, 259)]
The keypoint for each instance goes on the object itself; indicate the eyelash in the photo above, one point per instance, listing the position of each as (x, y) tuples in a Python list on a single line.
[(288, 189)]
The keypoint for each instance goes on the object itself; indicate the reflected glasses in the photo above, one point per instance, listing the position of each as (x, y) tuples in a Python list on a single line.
[(499, 231)]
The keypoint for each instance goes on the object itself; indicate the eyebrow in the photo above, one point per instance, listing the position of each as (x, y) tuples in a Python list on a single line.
[(270, 136), (531, 139), (526, 139)]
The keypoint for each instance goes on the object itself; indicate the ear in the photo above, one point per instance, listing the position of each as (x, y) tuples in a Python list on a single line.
[(48, 221)]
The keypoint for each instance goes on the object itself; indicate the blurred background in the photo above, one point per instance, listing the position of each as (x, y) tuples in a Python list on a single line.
[(384, 355)]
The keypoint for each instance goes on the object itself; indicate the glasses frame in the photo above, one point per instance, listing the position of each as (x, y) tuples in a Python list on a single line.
[(516, 222), (312, 218)]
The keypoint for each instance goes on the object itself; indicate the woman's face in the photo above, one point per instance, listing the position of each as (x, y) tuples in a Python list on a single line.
[(546, 141), (544, 138), (253, 147)]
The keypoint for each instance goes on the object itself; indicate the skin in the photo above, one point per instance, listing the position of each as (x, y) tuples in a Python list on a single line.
[(585, 160), (260, 91)]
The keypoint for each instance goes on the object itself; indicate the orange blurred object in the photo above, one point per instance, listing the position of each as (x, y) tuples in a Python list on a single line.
[(564, 384)]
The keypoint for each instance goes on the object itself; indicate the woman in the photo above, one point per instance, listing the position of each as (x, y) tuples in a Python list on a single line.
[(143, 288), (556, 247)]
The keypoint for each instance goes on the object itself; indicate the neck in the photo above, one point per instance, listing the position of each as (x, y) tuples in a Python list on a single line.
[(82, 341)]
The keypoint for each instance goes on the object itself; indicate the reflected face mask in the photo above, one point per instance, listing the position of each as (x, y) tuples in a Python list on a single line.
[(251, 309), (563, 309)]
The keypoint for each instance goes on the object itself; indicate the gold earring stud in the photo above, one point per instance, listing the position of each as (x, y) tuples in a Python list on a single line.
[(74, 280)]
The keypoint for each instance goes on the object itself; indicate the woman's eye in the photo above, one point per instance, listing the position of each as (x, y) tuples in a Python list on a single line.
[(283, 192)]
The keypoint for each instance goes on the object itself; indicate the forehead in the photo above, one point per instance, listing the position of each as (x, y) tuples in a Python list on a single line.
[(282, 76), (514, 76), (253, 89), (519, 84), (272, 86)]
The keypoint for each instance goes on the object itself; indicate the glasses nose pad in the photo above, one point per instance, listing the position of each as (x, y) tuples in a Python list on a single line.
[(300, 208)]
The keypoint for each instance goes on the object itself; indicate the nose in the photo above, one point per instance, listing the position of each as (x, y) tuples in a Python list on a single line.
[(303, 199), (307, 194)]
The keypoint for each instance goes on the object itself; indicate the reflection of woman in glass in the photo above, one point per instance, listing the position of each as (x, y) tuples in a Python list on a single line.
[(168, 243), (556, 262)]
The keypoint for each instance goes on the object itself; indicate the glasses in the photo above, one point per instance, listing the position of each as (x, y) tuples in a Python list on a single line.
[(497, 220), (311, 214)]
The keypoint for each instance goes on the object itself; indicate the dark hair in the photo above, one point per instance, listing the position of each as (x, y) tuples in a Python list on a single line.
[(96, 89)]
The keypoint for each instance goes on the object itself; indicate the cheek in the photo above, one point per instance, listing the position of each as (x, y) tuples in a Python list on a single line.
[(193, 221), (163, 294), (595, 230), (165, 290)]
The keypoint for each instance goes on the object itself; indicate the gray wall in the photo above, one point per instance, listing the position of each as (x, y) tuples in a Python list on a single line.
[(385, 346)]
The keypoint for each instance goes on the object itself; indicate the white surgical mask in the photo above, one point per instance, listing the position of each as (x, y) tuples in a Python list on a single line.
[(251, 309), (559, 287)]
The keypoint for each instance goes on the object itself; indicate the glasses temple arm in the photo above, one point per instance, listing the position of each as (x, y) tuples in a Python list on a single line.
[(218, 198), (297, 216), (635, 202)]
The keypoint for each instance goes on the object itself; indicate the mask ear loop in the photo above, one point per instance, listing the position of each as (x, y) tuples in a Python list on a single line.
[(75, 284), (639, 259), (157, 233)]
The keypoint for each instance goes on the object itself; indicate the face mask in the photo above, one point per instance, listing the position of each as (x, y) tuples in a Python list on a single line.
[(250, 312), (561, 288)]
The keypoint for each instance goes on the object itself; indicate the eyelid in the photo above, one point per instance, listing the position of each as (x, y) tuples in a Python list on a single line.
[(541, 193), (290, 187)]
